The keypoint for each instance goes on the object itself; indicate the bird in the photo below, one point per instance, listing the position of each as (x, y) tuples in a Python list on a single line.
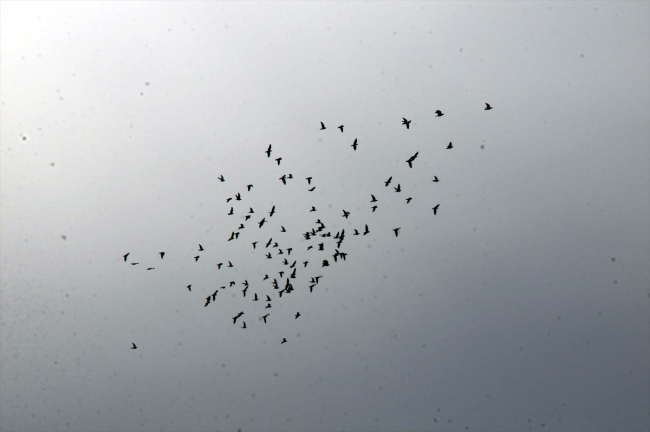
[(282, 229), (238, 196), (230, 264), (373, 210), (234, 320), (200, 247), (247, 217), (406, 122), (435, 209), (219, 266), (232, 283), (151, 268), (254, 243), (322, 126), (439, 113), (411, 159), (278, 160), (244, 326), (346, 214), (268, 255), (312, 189), (396, 230), (269, 242), (356, 231), (435, 179), (249, 187), (133, 346), (260, 223), (408, 200), (354, 144), (284, 179), (255, 299), (214, 295), (341, 127), (297, 315), (313, 209), (228, 199), (250, 210), (268, 151), (373, 198), (387, 182), (487, 106), (189, 287), (244, 291), (305, 263), (231, 212), (450, 146), (308, 180), (207, 301), (272, 211), (196, 258), (284, 340), (289, 251), (135, 263), (268, 306), (366, 231), (398, 188), (221, 178), (125, 256), (264, 317)]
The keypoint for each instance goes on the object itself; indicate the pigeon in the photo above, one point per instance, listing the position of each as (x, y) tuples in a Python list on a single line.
[(435, 209), (125, 256), (406, 122), (487, 106), (450, 146), (268, 151), (221, 178), (135, 347), (341, 127), (354, 144), (439, 113), (322, 126), (396, 231)]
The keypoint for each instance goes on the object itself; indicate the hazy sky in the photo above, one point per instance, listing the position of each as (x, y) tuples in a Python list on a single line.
[(523, 304)]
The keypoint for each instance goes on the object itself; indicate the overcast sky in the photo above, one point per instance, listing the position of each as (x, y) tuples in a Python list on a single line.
[(523, 304)]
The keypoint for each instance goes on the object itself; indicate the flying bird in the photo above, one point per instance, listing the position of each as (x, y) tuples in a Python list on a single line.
[(435, 209), (387, 182), (219, 266), (313, 209), (125, 256), (396, 231), (406, 122), (297, 315), (221, 178), (250, 211), (255, 299), (260, 223), (244, 326), (282, 229), (308, 180), (230, 264), (367, 231), (373, 198), (254, 243), (411, 159), (373, 210), (200, 247), (322, 126), (189, 287), (408, 200), (231, 212), (238, 196), (135, 347), (354, 144), (346, 214), (312, 189), (268, 151), (135, 263), (487, 106), (249, 187), (450, 146), (284, 179), (398, 188), (435, 179), (278, 160), (264, 317), (272, 211), (151, 268), (196, 258), (439, 113), (234, 320), (284, 340), (341, 127)]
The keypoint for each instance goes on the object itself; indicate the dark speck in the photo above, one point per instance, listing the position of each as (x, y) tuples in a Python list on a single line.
[(52, 164)]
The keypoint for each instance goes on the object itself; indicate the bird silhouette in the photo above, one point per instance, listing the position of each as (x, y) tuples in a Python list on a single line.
[(373, 209), (268, 151), (387, 182), (268, 255), (151, 268), (221, 178), (238, 196), (312, 189), (439, 113), (322, 126), (297, 315), (125, 256), (487, 106), (282, 229), (135, 263), (398, 188), (408, 200), (196, 258), (313, 209), (356, 231), (450, 146), (268, 306), (162, 255), (367, 231), (269, 242), (284, 179), (406, 122), (207, 301), (278, 160), (260, 223), (189, 287), (244, 326), (200, 247), (411, 159), (250, 210), (214, 295), (346, 214), (254, 244), (435, 179), (341, 127), (264, 317), (230, 264), (133, 346), (219, 266), (354, 144), (228, 199), (234, 319), (249, 187), (272, 212), (255, 299), (373, 198), (396, 230), (435, 209), (284, 340), (308, 180), (231, 212)]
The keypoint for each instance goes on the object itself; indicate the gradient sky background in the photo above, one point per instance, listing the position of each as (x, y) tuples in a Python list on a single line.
[(522, 305)]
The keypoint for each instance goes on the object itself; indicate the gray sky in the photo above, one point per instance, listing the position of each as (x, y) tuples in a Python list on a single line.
[(522, 305)]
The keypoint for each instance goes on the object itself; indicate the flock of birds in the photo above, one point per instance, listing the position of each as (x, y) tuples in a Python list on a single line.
[(281, 282)]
